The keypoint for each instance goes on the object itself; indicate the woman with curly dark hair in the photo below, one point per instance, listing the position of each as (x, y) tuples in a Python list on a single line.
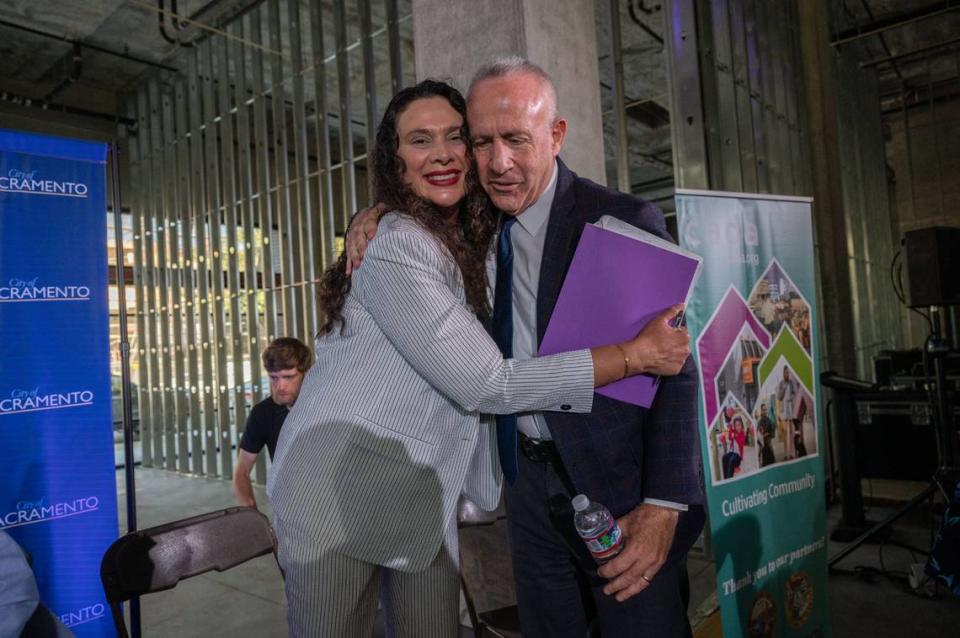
[(386, 433), (466, 236)]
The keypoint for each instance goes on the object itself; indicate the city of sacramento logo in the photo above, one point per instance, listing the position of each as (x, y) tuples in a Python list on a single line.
[(32, 183), (798, 599), (19, 401), (43, 510), (83, 615), (17, 290), (763, 616)]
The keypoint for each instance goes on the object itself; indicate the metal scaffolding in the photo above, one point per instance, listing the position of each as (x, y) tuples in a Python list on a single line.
[(736, 96), (242, 179)]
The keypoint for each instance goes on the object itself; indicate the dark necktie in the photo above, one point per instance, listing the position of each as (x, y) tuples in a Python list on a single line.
[(503, 335)]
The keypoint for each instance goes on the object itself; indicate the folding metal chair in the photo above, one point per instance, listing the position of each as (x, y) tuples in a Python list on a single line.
[(155, 559), (498, 620)]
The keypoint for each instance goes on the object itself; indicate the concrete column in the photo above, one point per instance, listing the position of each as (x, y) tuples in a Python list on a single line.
[(829, 218), (452, 39)]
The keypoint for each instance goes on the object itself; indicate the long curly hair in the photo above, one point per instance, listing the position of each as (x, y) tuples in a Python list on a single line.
[(466, 237)]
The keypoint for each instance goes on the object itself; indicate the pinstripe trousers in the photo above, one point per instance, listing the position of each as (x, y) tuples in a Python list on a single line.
[(331, 595)]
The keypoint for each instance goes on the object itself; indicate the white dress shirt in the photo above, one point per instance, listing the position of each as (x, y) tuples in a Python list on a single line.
[(528, 237)]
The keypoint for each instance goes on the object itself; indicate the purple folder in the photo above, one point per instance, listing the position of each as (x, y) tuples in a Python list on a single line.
[(616, 284)]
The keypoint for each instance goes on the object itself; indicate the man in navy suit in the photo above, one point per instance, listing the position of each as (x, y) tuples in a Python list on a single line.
[(643, 464)]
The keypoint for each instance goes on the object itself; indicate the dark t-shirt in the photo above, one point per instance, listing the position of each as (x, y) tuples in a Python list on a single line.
[(263, 427)]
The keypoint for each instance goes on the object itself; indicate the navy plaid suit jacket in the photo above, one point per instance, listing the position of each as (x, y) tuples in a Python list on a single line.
[(620, 453)]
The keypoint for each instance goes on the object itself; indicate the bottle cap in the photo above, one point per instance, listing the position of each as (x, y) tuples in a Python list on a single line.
[(580, 502)]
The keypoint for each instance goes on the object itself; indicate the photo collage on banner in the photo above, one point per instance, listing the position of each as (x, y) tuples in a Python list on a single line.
[(752, 320), (58, 500)]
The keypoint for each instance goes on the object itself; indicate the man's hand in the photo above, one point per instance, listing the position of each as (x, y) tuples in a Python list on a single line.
[(648, 531), (362, 229), (660, 348)]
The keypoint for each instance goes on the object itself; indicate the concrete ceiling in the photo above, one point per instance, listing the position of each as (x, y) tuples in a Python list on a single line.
[(931, 22), (123, 44), (84, 54), (39, 61), (918, 42)]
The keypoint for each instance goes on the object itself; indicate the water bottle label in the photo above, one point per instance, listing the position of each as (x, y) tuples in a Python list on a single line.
[(607, 544)]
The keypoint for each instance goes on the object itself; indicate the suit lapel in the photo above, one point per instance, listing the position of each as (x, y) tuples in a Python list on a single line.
[(563, 231)]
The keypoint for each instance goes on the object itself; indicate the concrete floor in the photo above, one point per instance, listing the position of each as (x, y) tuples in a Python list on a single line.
[(865, 602), (248, 600)]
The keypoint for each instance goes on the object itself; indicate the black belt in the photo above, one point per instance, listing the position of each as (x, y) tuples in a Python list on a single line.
[(538, 450)]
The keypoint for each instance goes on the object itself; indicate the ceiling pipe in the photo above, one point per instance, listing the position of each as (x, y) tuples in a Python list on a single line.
[(640, 23), (175, 20), (181, 23), (87, 45)]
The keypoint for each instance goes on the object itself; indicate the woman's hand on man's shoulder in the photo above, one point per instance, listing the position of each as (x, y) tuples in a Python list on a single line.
[(362, 228)]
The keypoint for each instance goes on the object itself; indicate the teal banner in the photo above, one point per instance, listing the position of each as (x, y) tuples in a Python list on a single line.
[(752, 318)]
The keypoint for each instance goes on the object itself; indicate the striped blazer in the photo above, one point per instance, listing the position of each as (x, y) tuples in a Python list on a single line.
[(379, 445)]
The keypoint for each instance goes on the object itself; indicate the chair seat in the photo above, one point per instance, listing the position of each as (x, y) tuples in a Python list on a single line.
[(157, 558), (497, 621)]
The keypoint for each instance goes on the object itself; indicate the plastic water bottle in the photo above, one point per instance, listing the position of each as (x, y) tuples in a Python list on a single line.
[(598, 529)]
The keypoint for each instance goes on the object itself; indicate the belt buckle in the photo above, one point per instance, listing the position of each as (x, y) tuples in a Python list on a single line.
[(537, 450)]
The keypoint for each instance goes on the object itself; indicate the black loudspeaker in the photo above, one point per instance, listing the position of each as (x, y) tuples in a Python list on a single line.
[(933, 266)]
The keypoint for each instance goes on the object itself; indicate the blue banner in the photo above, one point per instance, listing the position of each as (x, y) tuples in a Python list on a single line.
[(59, 496)]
